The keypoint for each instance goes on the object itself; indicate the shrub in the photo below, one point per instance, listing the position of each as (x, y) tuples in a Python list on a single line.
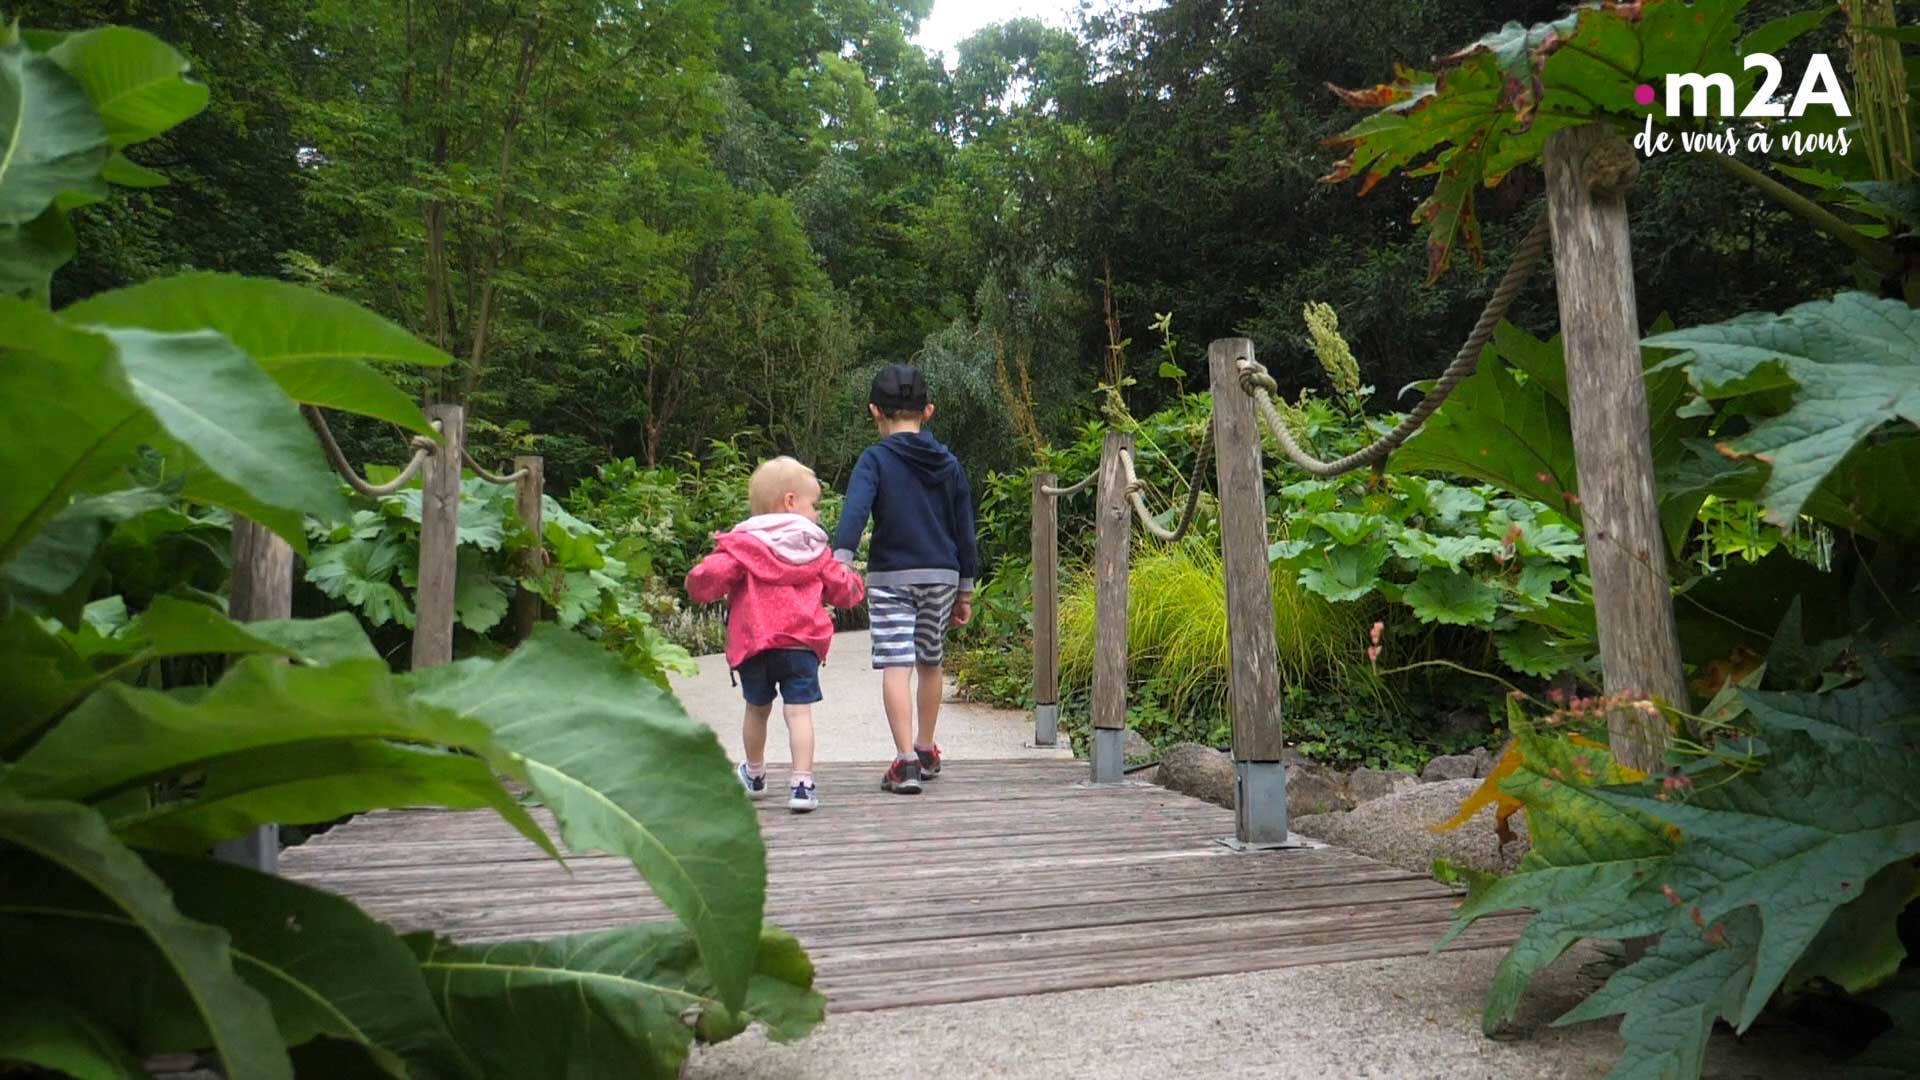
[(1177, 628)]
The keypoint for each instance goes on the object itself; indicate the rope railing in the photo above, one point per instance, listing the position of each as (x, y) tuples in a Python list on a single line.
[(1064, 492), (423, 448), (1135, 486), (491, 477), (1255, 380)]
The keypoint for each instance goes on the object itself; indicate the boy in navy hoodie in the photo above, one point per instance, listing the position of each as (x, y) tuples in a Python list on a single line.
[(920, 565)]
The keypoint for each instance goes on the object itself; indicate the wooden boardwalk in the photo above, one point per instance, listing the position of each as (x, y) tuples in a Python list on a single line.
[(1003, 878)]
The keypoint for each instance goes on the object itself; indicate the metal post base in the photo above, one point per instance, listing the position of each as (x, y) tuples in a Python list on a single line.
[(1260, 803), (1046, 726), (1109, 755), (257, 850)]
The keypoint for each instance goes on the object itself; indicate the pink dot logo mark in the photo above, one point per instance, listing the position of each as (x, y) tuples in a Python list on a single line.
[(1643, 94)]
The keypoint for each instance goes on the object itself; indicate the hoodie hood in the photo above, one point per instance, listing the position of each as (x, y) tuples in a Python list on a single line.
[(921, 452), (776, 547)]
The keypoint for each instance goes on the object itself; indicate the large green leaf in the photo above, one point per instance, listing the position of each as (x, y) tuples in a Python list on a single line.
[(60, 838), (1494, 103), (136, 81), (1854, 361), (613, 1003), (30, 253), (50, 1033), (43, 575), (1493, 428), (76, 403), (275, 743), (1860, 947), (313, 344), (1796, 839), (1673, 995), (1586, 874), (479, 603), (626, 770), (51, 139), (1453, 597)]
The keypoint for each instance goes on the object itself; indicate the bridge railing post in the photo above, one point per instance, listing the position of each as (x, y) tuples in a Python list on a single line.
[(439, 541), (528, 495), (1112, 551), (1260, 776), (1588, 169), (1046, 613), (262, 589)]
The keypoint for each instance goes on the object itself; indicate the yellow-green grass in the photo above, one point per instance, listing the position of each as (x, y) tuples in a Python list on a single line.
[(1177, 630)]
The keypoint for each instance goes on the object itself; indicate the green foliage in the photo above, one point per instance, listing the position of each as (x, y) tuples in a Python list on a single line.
[(143, 726), (1851, 366), (1778, 861), (1492, 105), (1177, 629)]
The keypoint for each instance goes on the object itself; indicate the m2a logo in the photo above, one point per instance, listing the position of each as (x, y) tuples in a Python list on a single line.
[(1818, 86)]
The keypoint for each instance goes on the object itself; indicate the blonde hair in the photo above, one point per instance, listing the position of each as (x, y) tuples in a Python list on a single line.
[(773, 480)]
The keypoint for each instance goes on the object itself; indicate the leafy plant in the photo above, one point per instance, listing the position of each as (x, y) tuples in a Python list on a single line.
[(1776, 861), (126, 752)]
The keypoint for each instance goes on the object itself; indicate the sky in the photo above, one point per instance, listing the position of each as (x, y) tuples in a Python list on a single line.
[(953, 21)]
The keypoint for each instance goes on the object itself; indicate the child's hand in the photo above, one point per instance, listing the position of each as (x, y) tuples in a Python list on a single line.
[(963, 611)]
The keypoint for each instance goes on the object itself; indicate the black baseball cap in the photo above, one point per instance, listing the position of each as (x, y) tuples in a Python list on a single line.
[(899, 388)]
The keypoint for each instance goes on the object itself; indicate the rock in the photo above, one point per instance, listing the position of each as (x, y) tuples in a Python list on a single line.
[(1483, 761), (1313, 788), (1135, 747), (1450, 767), (1396, 829), (1199, 771), (1366, 784)]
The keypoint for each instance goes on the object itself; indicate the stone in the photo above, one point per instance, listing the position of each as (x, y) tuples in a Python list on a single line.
[(1135, 747), (1199, 771), (1483, 761), (1450, 767), (1367, 784), (1397, 829), (1313, 788)]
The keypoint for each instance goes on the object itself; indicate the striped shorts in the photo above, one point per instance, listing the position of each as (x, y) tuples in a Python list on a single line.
[(910, 623)]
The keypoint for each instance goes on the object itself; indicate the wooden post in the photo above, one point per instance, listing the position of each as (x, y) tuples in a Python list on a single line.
[(1254, 693), (1588, 172), (439, 541), (262, 589), (1046, 613), (528, 493), (1111, 553)]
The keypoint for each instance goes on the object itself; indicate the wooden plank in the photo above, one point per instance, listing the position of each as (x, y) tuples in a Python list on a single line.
[(439, 540), (1254, 690), (528, 491), (849, 992), (1077, 885), (1588, 170)]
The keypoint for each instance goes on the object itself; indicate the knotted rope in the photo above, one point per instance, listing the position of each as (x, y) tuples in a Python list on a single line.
[(1135, 486), (513, 477), (1257, 383), (423, 448)]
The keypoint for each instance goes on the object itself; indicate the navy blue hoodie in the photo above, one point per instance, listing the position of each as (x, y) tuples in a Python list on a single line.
[(922, 510)]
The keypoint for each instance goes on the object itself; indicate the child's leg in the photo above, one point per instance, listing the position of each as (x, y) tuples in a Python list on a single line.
[(896, 693), (935, 610), (800, 738), (753, 737), (932, 688)]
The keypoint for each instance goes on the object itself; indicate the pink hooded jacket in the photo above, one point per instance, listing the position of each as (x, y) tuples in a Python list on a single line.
[(775, 572)]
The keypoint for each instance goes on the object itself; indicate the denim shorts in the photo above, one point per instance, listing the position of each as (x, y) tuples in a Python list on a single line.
[(795, 673)]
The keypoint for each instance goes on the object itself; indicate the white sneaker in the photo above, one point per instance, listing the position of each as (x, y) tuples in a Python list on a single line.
[(805, 797), (756, 785)]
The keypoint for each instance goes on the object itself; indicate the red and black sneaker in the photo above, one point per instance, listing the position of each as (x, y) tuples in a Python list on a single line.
[(929, 762), (903, 778)]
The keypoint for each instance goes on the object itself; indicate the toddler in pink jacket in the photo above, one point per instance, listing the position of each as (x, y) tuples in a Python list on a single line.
[(776, 573)]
